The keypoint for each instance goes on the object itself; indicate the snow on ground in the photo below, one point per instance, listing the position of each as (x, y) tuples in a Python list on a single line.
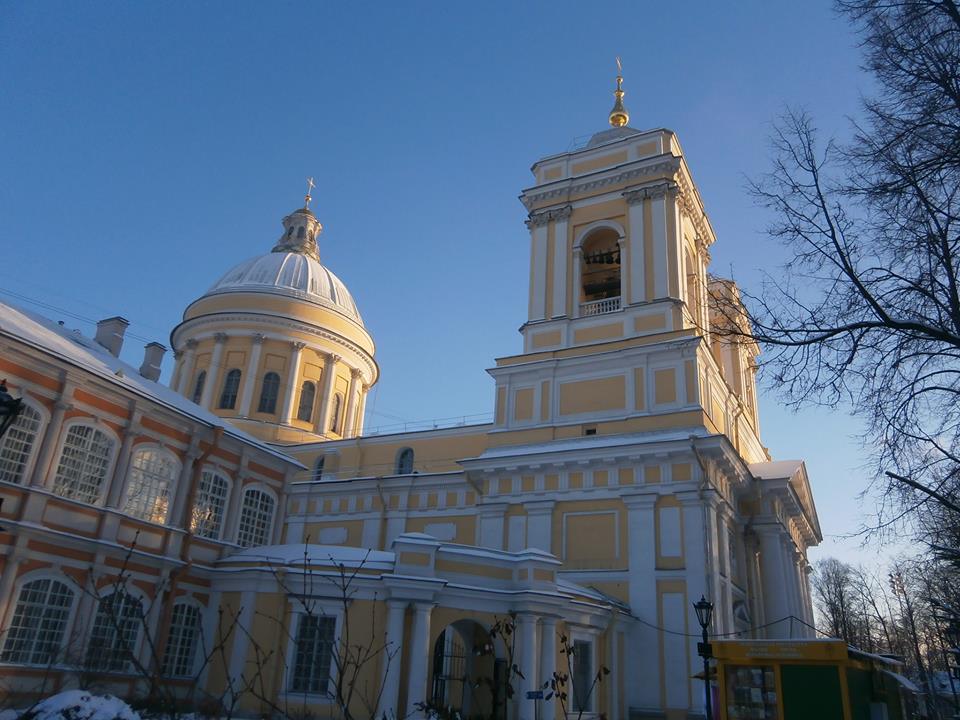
[(79, 705)]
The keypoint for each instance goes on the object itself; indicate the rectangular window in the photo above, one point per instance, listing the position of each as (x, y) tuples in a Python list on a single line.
[(313, 655), (582, 675)]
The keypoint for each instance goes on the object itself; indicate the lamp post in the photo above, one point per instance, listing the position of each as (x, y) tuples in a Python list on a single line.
[(704, 610), (10, 407)]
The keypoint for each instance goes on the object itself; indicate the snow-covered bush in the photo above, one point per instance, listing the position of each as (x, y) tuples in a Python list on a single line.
[(80, 705)]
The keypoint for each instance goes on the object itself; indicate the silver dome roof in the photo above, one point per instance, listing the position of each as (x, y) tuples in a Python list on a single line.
[(291, 274)]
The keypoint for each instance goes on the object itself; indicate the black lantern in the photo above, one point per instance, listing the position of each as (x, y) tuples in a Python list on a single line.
[(10, 408), (704, 610)]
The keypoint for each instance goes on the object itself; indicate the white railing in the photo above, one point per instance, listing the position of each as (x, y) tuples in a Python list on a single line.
[(599, 307)]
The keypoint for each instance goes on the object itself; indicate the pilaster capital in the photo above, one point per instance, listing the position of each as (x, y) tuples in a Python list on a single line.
[(333, 359), (220, 338), (62, 405), (644, 501), (653, 191), (257, 339), (355, 373), (297, 345), (191, 344), (542, 217), (539, 507)]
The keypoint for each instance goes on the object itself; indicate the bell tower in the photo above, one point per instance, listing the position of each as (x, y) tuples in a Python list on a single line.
[(617, 336)]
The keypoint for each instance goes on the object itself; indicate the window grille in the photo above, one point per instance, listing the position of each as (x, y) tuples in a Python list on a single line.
[(17, 445), (209, 505), (116, 628), (36, 632), (256, 518), (198, 386), (313, 655), (308, 393), (582, 675), (152, 475), (84, 463), (268, 393), (231, 386), (179, 656)]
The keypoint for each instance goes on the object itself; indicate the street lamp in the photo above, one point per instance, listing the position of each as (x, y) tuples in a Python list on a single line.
[(10, 407), (704, 610)]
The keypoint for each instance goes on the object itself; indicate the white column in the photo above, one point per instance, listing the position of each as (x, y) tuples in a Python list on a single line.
[(231, 517), (213, 372), (286, 413), (529, 652), (241, 641), (774, 581), (538, 235), (42, 471), (642, 655), (576, 289), (326, 395), (548, 662), (635, 256), (561, 251), (419, 660), (539, 524), (118, 483), (491, 526), (358, 421), (253, 366), (186, 367), (390, 695), (177, 518), (351, 402), (658, 205)]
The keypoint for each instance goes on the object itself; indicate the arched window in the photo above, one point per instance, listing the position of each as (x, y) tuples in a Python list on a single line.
[(198, 386), (210, 504), (36, 632), (308, 392), (335, 413), (256, 518), (405, 461), (600, 272), (84, 463), (116, 629), (179, 655), (268, 393), (301, 232), (231, 386), (318, 468), (153, 473), (17, 445)]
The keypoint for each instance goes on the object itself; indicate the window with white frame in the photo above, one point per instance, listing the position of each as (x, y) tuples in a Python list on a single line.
[(116, 629), (210, 504), (84, 463), (179, 655), (153, 472), (256, 518), (36, 632), (17, 445), (313, 654), (582, 675)]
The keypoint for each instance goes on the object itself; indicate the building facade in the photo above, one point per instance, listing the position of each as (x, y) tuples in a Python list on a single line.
[(623, 476)]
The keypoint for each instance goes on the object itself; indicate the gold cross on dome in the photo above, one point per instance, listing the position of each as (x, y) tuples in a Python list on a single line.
[(310, 186)]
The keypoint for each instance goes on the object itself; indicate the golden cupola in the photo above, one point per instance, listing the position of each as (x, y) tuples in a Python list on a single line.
[(278, 345), (619, 117)]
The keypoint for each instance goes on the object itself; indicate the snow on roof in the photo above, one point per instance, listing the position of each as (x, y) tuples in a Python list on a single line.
[(589, 442), (775, 470), (74, 347), (294, 553), (907, 683)]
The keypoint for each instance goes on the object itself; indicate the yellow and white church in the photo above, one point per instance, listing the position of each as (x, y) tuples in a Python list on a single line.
[(621, 479)]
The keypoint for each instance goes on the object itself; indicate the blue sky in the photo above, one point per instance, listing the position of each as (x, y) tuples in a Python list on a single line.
[(145, 148)]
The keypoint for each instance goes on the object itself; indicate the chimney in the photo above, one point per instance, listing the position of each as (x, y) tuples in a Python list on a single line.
[(152, 357), (110, 334)]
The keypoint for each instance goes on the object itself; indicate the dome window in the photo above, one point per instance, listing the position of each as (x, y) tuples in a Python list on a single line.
[(335, 413), (268, 393), (198, 386), (231, 386), (308, 393)]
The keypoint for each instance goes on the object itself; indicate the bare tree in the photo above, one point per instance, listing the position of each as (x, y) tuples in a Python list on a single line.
[(867, 308)]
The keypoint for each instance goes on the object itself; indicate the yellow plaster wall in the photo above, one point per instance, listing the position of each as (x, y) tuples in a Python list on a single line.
[(599, 162), (665, 386), (523, 404), (591, 539), (598, 395), (610, 331)]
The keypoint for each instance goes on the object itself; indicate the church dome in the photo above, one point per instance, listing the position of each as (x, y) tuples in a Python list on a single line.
[(292, 274)]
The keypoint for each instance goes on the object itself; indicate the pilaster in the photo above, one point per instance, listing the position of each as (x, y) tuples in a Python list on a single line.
[(213, 372), (250, 377)]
